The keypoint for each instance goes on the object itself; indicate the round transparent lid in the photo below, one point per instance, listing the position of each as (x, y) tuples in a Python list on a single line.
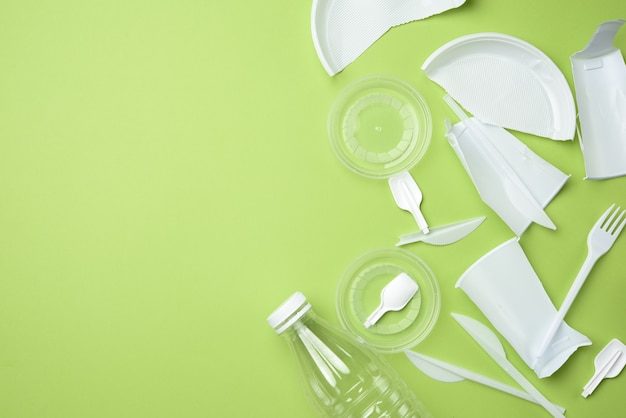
[(358, 295), (379, 126)]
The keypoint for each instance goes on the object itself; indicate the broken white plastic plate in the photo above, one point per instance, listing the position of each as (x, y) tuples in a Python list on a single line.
[(506, 82), (343, 29), (359, 294), (506, 289), (379, 126), (600, 83)]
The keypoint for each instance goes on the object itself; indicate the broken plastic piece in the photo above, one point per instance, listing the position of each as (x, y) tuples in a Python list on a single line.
[(343, 29), (608, 363), (514, 181), (600, 84), (506, 82)]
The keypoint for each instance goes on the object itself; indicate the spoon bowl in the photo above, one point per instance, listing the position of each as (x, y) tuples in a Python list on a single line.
[(394, 297)]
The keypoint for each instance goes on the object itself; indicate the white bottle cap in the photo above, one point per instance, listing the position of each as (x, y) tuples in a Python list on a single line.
[(289, 312)]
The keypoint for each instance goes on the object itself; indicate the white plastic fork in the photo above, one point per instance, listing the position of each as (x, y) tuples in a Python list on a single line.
[(599, 242)]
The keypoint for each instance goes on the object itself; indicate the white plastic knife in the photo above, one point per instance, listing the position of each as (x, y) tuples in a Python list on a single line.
[(443, 235), (446, 372), (491, 344)]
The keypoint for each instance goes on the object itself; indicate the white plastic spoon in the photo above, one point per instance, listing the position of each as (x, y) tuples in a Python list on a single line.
[(394, 297), (608, 363), (408, 196)]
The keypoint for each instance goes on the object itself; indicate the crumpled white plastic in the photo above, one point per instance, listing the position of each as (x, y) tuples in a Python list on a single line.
[(600, 84)]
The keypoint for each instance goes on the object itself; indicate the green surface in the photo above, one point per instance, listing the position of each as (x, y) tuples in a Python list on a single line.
[(166, 181)]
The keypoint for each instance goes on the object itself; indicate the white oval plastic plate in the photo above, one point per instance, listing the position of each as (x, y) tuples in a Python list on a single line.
[(507, 82)]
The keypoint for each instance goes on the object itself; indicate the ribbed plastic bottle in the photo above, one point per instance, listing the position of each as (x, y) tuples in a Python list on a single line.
[(346, 377)]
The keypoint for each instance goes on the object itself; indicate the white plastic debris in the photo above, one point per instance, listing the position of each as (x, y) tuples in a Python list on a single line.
[(343, 29), (600, 84), (506, 82)]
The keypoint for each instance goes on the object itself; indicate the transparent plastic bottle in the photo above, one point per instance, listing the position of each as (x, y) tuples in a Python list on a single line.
[(346, 377)]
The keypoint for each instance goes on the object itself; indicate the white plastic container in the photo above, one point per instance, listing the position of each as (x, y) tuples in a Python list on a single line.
[(345, 377)]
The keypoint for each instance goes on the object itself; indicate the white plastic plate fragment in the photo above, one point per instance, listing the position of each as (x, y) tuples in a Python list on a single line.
[(600, 83), (343, 29), (506, 82)]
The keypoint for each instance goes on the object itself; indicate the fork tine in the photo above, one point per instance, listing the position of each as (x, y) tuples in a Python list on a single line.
[(612, 217), (602, 220), (617, 226), (609, 222)]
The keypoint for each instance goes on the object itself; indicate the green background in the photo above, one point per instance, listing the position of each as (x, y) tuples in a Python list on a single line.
[(166, 181)]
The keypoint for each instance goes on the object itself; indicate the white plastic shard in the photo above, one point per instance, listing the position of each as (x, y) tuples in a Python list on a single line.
[(600, 84), (509, 177), (506, 82), (343, 29)]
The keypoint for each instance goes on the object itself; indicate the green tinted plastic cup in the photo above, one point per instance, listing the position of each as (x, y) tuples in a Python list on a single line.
[(379, 126), (358, 295)]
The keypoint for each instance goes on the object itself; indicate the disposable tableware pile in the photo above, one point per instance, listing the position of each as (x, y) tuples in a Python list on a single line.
[(380, 126)]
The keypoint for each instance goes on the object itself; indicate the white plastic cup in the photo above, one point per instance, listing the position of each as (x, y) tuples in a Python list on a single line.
[(509, 293)]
